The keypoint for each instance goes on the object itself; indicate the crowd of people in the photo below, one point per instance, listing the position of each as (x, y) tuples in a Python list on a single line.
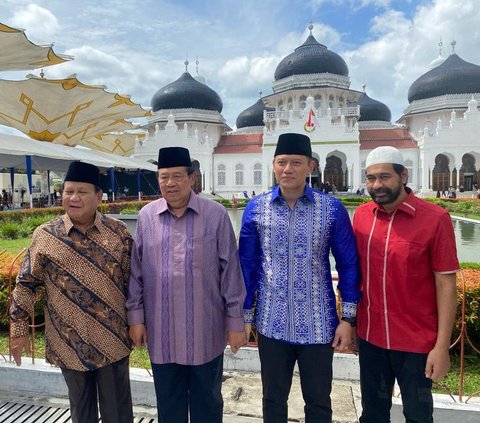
[(184, 290)]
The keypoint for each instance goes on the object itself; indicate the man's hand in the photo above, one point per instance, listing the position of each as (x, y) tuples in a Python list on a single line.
[(18, 346), (438, 364), (248, 331), (236, 340), (343, 336), (138, 335)]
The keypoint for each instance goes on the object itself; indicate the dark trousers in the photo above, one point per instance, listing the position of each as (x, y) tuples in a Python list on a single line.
[(198, 388), (112, 385), (277, 360), (378, 370)]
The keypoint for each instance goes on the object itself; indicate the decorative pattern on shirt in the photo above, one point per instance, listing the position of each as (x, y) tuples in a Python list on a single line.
[(84, 277), (186, 285), (294, 293)]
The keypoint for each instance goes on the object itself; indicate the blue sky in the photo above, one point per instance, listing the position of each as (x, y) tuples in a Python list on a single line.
[(137, 47)]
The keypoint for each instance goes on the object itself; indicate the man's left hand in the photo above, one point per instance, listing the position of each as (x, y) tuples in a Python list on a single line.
[(343, 336), (236, 340), (438, 364)]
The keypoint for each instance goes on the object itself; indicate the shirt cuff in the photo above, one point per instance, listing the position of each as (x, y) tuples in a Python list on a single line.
[(235, 324), (248, 315), (349, 310), (136, 317), (19, 328)]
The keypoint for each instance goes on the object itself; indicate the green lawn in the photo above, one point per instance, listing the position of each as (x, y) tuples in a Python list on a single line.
[(14, 246), (468, 216)]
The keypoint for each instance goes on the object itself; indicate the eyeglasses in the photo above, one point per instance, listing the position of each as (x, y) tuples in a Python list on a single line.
[(177, 178)]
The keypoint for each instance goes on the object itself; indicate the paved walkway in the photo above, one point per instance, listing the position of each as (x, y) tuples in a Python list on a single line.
[(242, 398)]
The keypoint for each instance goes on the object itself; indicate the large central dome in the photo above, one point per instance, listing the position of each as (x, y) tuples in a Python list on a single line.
[(453, 76), (311, 57), (186, 93)]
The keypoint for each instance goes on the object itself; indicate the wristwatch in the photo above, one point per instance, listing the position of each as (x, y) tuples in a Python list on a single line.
[(351, 320)]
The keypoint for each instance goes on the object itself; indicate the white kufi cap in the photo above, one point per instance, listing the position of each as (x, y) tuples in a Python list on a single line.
[(384, 154)]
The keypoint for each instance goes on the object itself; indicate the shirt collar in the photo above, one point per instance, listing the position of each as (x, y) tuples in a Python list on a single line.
[(97, 223), (308, 194), (407, 206), (193, 204)]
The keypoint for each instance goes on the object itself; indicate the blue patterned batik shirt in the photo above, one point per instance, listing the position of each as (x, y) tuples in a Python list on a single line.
[(285, 260)]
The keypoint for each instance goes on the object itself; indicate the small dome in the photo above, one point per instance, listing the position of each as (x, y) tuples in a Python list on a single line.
[(373, 110), (311, 57), (453, 76), (186, 93), (253, 116)]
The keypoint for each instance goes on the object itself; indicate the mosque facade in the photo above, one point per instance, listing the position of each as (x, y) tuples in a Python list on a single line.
[(311, 94)]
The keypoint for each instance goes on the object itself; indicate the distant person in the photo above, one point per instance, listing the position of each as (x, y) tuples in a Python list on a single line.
[(4, 199), (185, 294), (82, 260), (408, 263), (286, 237)]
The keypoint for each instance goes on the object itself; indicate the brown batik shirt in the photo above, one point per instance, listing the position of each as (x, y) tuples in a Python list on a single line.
[(84, 277)]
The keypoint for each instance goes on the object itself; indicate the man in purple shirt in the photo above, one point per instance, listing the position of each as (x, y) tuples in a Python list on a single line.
[(185, 293)]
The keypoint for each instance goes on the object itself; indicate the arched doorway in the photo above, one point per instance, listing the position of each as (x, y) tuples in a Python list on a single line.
[(333, 173), (316, 176), (198, 185), (467, 174), (441, 174)]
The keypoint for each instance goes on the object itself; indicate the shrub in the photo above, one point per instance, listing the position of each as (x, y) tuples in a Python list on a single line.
[(29, 224), (472, 305), (10, 230)]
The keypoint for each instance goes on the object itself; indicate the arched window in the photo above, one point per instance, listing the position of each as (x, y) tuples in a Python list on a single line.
[(221, 174), (280, 105), (303, 102), (317, 101), (257, 174), (239, 174), (290, 103)]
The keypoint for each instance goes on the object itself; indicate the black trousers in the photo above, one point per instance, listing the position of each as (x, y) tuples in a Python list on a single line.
[(277, 360), (112, 385), (378, 370), (198, 388)]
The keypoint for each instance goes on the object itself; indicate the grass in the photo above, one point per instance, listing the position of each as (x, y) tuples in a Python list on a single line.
[(14, 246), (468, 216), (471, 378), (139, 358)]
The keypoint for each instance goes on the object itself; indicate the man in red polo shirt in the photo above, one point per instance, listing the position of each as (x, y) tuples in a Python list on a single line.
[(408, 260)]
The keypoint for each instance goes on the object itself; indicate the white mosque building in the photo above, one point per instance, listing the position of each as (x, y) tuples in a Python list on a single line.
[(437, 133)]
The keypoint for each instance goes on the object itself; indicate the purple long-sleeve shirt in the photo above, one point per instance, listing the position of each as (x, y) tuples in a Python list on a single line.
[(186, 285)]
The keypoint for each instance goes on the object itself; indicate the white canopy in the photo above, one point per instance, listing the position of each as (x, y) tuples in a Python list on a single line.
[(48, 156)]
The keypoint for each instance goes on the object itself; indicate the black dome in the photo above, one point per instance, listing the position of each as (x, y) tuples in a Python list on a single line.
[(453, 76), (186, 93), (371, 109), (311, 57), (253, 116)]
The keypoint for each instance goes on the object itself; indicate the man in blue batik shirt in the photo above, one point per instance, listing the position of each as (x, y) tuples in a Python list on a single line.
[(285, 241)]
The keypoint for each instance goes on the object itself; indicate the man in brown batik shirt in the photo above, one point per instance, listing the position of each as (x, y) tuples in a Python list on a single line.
[(82, 260)]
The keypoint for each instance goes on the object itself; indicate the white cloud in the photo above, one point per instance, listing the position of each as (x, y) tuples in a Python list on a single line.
[(40, 24)]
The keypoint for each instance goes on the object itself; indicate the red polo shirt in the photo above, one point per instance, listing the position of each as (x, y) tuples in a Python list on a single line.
[(399, 253)]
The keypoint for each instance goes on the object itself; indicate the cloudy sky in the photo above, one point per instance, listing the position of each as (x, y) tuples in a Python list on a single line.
[(136, 47)]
